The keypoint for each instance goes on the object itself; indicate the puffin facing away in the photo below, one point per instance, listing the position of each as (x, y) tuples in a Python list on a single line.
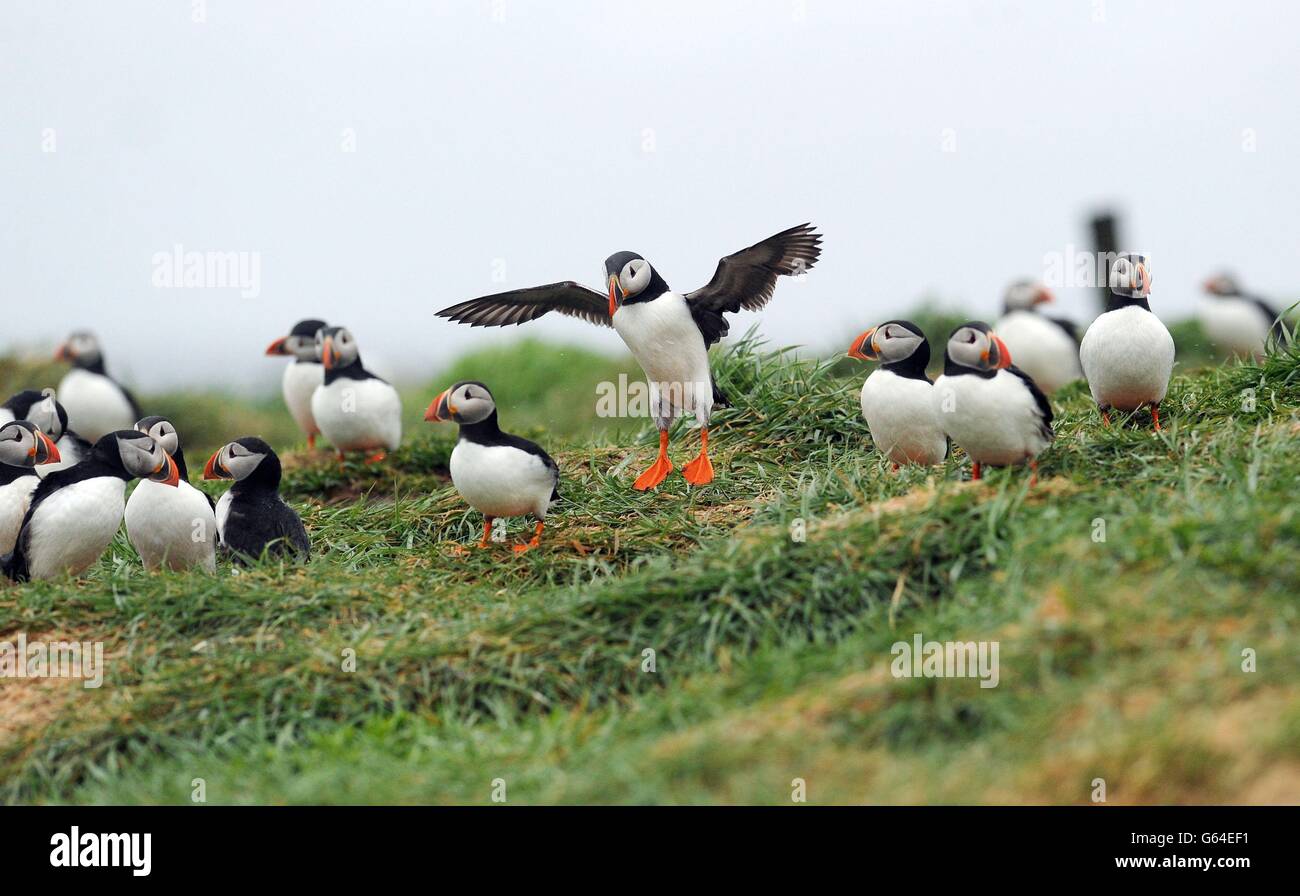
[(252, 518), (1237, 323), (668, 333), (355, 410), (96, 403), (75, 513), (1046, 348), (897, 399), (497, 474), (171, 527), (44, 409), (990, 408), (1127, 353), (22, 447), (302, 374)]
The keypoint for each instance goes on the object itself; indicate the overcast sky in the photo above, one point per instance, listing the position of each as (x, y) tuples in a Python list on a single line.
[(383, 160)]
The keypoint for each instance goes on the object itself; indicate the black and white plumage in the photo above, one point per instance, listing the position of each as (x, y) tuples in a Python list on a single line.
[(75, 513), (175, 528), (1127, 353), (303, 374), (96, 403), (1046, 348), (355, 410), (989, 407), (23, 449), (44, 409), (668, 332), (1236, 322), (897, 399), (252, 518), (498, 474)]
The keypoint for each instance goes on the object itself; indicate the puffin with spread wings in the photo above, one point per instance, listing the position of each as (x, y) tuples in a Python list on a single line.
[(669, 333)]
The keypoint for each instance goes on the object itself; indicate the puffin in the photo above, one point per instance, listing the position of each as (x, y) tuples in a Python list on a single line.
[(355, 410), (23, 447), (75, 513), (43, 409), (96, 403), (897, 399), (252, 518), (1237, 323), (302, 374), (1127, 353), (1046, 348), (172, 528), (498, 474), (669, 333), (988, 406)]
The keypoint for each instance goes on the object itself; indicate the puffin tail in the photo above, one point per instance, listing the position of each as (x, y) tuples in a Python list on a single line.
[(719, 400)]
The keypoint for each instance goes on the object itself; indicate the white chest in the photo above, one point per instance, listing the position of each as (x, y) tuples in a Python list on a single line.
[(666, 342), (14, 500), (498, 480), (996, 420), (298, 383), (1041, 349), (900, 414), (95, 404), (1235, 326), (1128, 356), (358, 415), (71, 529), (169, 526)]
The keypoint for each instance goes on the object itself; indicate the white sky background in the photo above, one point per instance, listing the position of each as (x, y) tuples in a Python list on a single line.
[(522, 139)]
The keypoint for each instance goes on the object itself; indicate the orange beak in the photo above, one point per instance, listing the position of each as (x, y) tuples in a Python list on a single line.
[(1000, 356), (277, 347), (613, 300), (328, 356), (1043, 296), (44, 451), (1144, 279), (864, 347), (167, 472), (214, 469), (440, 409), (63, 353)]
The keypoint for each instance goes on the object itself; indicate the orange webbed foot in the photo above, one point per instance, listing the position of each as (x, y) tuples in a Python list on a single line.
[(377, 457), (699, 471), (659, 470)]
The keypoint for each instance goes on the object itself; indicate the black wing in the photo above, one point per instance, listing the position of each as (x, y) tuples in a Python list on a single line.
[(1068, 326), (1276, 326), (1044, 406), (745, 280), (522, 305), (540, 453), (135, 405)]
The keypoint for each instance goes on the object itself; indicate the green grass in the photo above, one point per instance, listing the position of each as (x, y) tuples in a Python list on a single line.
[(1120, 658)]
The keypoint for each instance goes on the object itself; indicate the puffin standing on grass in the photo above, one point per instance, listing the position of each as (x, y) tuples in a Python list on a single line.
[(252, 518), (497, 474), (75, 513), (22, 448), (1127, 353), (990, 408), (1046, 348), (96, 403), (302, 374), (44, 409), (897, 399), (176, 527), (1237, 323), (668, 333), (355, 410)]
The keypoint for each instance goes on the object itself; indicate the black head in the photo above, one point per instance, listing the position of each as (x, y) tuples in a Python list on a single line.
[(81, 349), (22, 444), (337, 348), (631, 279), (248, 461), (135, 455), (899, 345), (1025, 295), (300, 344), (1223, 285), (469, 402), (975, 348), (41, 408)]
